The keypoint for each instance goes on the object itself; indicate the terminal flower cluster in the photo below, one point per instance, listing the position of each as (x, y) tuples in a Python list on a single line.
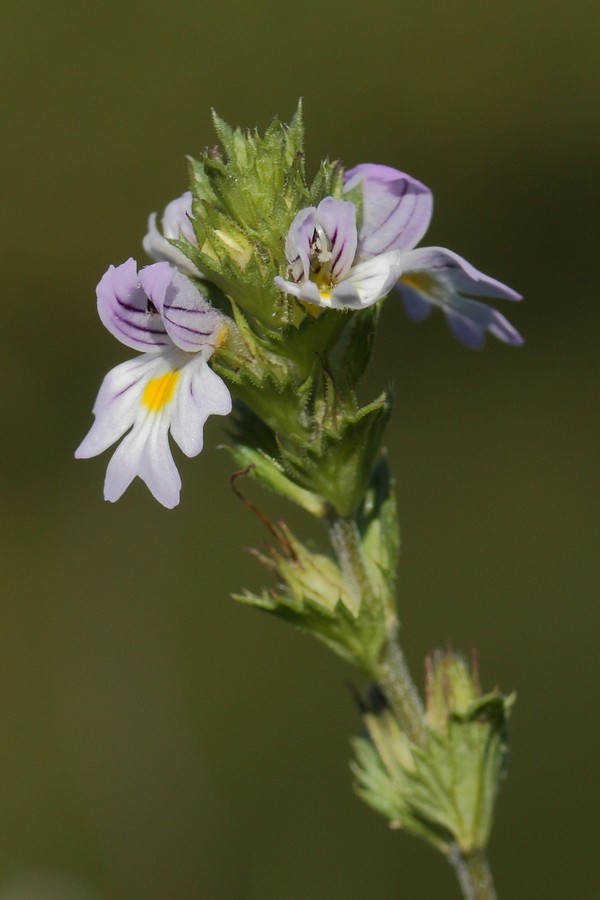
[(345, 252)]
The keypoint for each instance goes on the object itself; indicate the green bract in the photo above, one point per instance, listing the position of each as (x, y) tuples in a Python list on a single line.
[(345, 599), (443, 789)]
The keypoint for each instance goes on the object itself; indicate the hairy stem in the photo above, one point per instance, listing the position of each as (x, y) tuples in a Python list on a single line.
[(394, 679), (345, 540), (391, 671), (474, 875)]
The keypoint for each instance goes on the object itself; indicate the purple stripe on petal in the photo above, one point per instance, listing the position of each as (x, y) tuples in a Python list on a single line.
[(181, 304), (132, 335), (396, 208), (298, 241), (177, 322), (338, 219), (123, 309)]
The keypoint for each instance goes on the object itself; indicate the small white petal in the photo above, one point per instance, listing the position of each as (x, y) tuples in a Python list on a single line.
[(373, 279), (145, 452), (158, 247), (200, 394), (308, 291), (176, 219), (116, 407), (297, 243)]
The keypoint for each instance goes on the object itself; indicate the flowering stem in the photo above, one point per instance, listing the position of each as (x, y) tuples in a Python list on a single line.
[(390, 671), (394, 679), (474, 875), (345, 540)]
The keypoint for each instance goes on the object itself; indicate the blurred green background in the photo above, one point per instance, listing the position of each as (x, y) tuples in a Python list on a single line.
[(158, 740)]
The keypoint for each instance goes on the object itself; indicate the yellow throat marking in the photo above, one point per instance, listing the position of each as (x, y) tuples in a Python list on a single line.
[(420, 281), (159, 391), (324, 283)]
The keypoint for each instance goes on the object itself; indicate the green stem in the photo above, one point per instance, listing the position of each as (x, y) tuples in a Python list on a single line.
[(394, 679), (345, 540), (391, 671), (474, 875), (392, 675)]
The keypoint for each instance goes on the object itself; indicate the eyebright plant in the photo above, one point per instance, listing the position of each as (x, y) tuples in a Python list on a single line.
[(267, 288)]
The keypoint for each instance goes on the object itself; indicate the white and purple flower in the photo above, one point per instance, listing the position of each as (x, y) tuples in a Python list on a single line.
[(396, 213), (334, 263), (324, 267), (170, 387), (176, 224)]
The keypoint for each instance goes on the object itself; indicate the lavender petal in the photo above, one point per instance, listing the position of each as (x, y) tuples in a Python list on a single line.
[(396, 209)]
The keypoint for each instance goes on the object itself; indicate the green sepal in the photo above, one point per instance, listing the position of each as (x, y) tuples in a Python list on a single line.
[(278, 402), (261, 379), (311, 337), (444, 790), (352, 353), (314, 596), (341, 340), (315, 435), (200, 184), (328, 182), (261, 178)]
